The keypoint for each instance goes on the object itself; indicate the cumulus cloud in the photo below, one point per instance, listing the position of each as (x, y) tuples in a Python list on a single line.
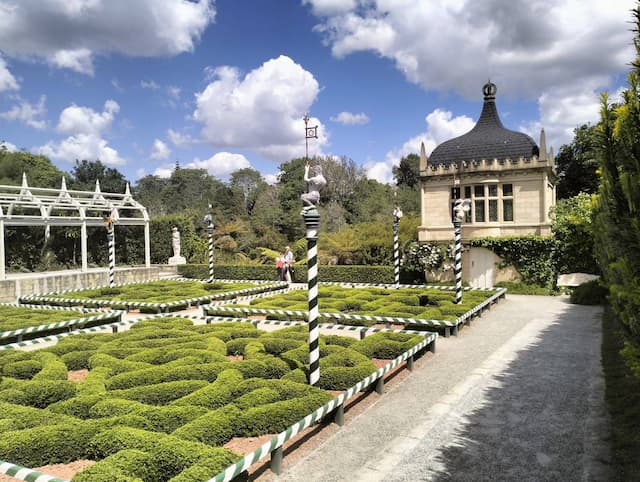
[(82, 146), (441, 126), (85, 128), (7, 80), (31, 114), (220, 165), (350, 118), (525, 47), (262, 110), (69, 34), (160, 150), (77, 119), (8, 146), (149, 84), (179, 139)]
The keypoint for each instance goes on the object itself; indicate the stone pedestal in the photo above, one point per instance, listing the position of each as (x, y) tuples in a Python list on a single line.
[(173, 260)]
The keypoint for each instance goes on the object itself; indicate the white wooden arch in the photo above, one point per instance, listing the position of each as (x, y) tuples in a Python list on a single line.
[(37, 206)]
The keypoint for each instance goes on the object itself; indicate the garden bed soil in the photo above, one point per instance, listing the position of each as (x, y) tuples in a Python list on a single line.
[(77, 375)]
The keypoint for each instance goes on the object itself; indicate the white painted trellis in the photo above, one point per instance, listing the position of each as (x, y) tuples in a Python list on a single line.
[(48, 207)]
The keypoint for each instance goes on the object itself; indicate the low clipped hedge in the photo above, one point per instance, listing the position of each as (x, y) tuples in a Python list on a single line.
[(160, 399), (347, 274), (589, 293)]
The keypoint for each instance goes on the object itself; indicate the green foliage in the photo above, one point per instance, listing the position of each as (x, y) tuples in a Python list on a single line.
[(520, 288), (531, 255), (573, 231), (347, 274), (386, 345), (589, 293), (617, 224), (13, 317), (422, 256), (577, 165)]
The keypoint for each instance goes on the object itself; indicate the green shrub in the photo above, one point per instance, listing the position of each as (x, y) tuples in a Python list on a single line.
[(341, 378), (124, 466), (259, 396), (52, 367), (160, 393), (205, 468), (94, 382), (276, 345), (520, 288), (386, 345), (299, 375), (276, 417), (589, 293), (24, 369), (164, 373), (120, 438), (41, 394), (22, 417), (13, 395), (114, 364), (215, 427), (48, 444), (236, 346), (79, 407), (77, 360), (338, 340), (213, 395)]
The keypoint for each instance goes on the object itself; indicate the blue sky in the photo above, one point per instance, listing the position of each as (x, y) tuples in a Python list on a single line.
[(224, 84)]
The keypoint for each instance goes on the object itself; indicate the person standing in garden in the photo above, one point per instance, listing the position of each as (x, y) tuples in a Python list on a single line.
[(288, 264), (280, 266)]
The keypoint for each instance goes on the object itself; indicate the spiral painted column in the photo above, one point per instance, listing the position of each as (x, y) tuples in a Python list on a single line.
[(112, 256), (396, 246), (457, 267), (210, 231), (312, 222)]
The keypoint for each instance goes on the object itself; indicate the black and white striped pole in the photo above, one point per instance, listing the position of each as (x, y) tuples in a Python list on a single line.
[(460, 208), (109, 222), (208, 219), (312, 222), (397, 215)]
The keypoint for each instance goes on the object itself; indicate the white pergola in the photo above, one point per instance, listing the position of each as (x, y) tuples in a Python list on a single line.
[(36, 206)]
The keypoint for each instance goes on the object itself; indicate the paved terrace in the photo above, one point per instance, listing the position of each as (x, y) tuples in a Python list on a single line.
[(519, 396)]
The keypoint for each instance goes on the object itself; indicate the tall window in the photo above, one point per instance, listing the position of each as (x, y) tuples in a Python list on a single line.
[(491, 202)]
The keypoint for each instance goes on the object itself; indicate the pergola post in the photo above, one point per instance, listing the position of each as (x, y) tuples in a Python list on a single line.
[(147, 246), (83, 245), (2, 257)]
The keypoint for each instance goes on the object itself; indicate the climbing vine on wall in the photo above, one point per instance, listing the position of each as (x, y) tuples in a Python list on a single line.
[(531, 255)]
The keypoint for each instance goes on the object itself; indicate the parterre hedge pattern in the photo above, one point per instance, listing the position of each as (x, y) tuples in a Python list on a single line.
[(15, 317), (422, 303), (161, 399)]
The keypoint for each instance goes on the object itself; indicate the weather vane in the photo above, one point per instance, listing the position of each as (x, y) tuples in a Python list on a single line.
[(309, 133)]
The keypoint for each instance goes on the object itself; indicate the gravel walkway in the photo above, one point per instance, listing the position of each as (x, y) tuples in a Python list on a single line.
[(518, 396)]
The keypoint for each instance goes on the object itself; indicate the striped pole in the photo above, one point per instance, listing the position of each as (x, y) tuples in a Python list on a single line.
[(209, 220), (457, 268), (112, 256), (312, 221), (396, 245)]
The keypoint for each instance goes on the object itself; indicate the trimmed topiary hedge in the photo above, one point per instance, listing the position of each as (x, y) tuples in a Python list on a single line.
[(347, 274)]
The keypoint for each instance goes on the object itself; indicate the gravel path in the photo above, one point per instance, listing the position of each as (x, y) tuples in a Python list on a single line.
[(518, 396)]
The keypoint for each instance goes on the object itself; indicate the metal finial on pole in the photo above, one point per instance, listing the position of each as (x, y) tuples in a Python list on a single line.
[(208, 219), (309, 133), (109, 222)]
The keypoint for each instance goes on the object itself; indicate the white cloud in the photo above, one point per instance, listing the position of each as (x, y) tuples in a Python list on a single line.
[(149, 84), (271, 178), (85, 128), (116, 85), (179, 139), (160, 150), (31, 114), (221, 165), (79, 60), (140, 173), (8, 146), (350, 118), (7, 80), (82, 146), (441, 126), (69, 34), (525, 47), (262, 110), (76, 119)]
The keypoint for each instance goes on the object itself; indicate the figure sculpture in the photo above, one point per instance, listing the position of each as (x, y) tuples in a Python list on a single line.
[(315, 182), (175, 244)]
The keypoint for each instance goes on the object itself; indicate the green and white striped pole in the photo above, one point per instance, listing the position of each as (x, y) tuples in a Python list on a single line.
[(312, 222)]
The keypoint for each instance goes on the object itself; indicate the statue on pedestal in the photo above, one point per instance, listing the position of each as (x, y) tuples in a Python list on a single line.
[(175, 244), (315, 182)]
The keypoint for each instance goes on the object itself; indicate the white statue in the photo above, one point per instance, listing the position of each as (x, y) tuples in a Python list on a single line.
[(175, 244), (315, 182)]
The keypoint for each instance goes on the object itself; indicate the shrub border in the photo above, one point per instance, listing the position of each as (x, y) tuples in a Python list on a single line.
[(449, 326), (114, 315), (161, 307)]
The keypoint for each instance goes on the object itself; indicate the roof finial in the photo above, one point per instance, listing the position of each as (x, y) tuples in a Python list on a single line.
[(489, 90)]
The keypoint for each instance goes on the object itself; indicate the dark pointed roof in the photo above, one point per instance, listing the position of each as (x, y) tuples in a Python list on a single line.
[(488, 139)]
